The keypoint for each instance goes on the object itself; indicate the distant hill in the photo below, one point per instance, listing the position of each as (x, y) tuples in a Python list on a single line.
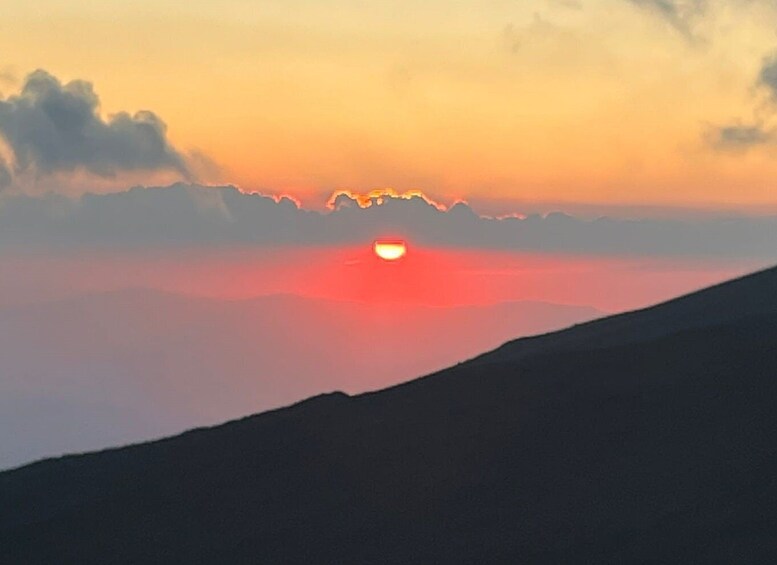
[(120, 367), (646, 437)]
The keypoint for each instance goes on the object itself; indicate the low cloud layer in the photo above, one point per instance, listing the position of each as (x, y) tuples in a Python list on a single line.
[(52, 127), (6, 177), (191, 215)]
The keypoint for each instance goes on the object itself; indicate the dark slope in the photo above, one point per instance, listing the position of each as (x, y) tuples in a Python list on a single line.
[(734, 300), (618, 449)]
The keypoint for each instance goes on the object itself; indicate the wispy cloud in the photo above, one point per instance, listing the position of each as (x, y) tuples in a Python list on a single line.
[(680, 14), (742, 136)]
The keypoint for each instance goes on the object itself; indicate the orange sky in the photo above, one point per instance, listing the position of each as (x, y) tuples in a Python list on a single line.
[(601, 101)]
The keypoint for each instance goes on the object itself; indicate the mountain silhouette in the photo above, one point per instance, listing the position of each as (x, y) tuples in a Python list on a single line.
[(645, 437)]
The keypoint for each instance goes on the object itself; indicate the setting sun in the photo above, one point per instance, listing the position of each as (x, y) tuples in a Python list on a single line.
[(390, 250)]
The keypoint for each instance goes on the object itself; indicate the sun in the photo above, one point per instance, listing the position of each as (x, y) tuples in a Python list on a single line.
[(390, 250)]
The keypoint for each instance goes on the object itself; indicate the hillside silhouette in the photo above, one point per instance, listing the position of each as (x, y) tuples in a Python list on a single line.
[(645, 437)]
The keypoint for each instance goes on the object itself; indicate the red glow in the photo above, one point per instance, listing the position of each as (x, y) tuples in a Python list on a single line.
[(431, 276)]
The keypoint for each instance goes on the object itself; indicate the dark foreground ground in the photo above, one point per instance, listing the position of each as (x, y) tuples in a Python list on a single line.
[(646, 437)]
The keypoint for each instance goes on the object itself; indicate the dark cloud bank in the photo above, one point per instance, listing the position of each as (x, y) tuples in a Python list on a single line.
[(192, 215), (51, 127)]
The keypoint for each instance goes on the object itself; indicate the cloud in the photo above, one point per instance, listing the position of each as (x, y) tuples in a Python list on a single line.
[(202, 167), (348, 199), (6, 178), (540, 31), (767, 77), (740, 137), (190, 215), (680, 14), (51, 127)]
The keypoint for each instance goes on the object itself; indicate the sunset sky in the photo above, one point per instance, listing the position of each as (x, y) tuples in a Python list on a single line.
[(660, 103)]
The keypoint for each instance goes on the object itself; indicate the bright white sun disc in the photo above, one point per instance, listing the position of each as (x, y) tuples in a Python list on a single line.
[(390, 250)]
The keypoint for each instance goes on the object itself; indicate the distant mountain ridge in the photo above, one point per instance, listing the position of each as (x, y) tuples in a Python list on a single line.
[(595, 444), (117, 367), (715, 305)]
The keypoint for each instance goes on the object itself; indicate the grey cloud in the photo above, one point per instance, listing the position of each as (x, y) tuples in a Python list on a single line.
[(740, 137), (768, 75), (203, 167), (6, 178), (53, 127), (186, 215)]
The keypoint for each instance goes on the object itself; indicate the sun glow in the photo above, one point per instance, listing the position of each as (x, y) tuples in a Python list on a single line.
[(390, 250), (379, 196)]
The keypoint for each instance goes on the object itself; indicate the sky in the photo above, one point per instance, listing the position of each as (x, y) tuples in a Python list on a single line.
[(580, 104)]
